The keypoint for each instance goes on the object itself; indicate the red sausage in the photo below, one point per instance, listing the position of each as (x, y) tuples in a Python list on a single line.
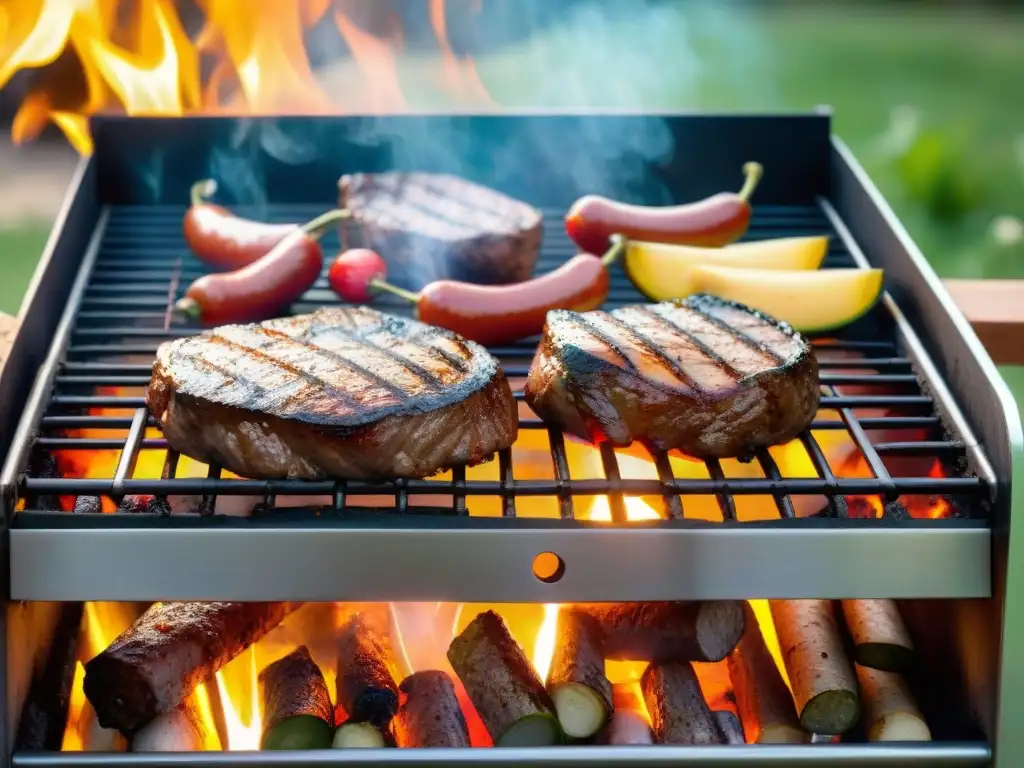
[(222, 240), (713, 222), (498, 314), (265, 287)]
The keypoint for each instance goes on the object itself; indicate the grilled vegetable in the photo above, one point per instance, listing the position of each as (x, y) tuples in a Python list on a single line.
[(297, 711), (430, 715), (342, 393), (679, 713), (576, 681), (810, 302), (668, 631), (45, 713), (890, 712), (661, 271), (263, 288), (353, 272), (823, 680), (715, 221), (366, 689), (486, 314), (503, 685), (358, 736), (154, 665), (225, 241), (880, 637), (764, 702)]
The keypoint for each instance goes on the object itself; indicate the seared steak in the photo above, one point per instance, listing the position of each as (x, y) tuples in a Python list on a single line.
[(347, 393), (432, 226), (712, 378)]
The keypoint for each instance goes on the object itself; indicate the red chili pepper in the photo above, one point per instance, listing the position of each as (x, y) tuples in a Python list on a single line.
[(712, 222), (267, 286), (487, 314), (223, 240)]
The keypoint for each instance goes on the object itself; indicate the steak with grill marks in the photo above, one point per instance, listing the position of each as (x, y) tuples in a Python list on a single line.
[(342, 393), (433, 226), (711, 378)]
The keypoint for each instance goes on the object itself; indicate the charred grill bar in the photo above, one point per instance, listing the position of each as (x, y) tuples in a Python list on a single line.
[(909, 385)]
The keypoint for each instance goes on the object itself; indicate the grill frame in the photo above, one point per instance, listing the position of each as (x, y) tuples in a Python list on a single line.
[(88, 550), (975, 558)]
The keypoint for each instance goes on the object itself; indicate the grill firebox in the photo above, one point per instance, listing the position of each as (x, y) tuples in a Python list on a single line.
[(913, 418)]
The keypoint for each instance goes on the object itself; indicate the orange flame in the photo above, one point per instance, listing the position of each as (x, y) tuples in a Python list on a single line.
[(544, 646), (93, 58), (241, 706)]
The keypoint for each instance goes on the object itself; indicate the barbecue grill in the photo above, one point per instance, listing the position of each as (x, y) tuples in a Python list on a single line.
[(912, 392)]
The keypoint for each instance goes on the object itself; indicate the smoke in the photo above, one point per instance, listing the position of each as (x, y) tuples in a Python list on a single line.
[(573, 56)]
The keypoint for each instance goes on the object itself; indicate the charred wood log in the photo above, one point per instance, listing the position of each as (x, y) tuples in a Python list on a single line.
[(823, 680), (503, 685), (581, 692), (764, 702)]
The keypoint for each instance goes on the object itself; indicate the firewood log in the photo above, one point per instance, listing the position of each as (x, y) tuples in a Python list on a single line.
[(823, 680), (880, 637)]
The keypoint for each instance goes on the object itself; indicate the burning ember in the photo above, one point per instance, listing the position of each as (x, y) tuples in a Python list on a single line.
[(607, 673), (531, 459), (97, 56)]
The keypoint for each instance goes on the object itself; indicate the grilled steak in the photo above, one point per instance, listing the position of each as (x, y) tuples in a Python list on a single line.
[(347, 393), (712, 378), (432, 226)]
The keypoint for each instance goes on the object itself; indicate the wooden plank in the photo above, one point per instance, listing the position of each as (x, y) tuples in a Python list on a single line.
[(995, 308), (7, 327)]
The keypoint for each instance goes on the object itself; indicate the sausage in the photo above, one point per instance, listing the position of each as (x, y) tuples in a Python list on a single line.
[(497, 314), (487, 314), (265, 287), (713, 222), (223, 240), (157, 662)]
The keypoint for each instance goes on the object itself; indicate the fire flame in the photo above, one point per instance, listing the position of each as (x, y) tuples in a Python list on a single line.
[(242, 721), (92, 57), (544, 646), (234, 690)]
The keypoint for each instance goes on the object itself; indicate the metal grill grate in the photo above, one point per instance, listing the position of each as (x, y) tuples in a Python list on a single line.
[(871, 397)]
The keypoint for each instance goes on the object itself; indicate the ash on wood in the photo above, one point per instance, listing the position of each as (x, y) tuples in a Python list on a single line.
[(890, 712), (581, 692), (668, 631), (366, 688), (45, 713), (296, 705), (183, 729), (679, 713), (880, 637), (628, 723), (158, 661), (358, 736), (764, 702), (730, 727), (823, 680), (430, 715), (503, 685)]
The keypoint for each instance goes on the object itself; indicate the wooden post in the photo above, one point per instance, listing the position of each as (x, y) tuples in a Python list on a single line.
[(995, 308), (7, 327)]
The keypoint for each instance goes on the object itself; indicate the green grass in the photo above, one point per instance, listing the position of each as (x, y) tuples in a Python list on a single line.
[(20, 249)]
